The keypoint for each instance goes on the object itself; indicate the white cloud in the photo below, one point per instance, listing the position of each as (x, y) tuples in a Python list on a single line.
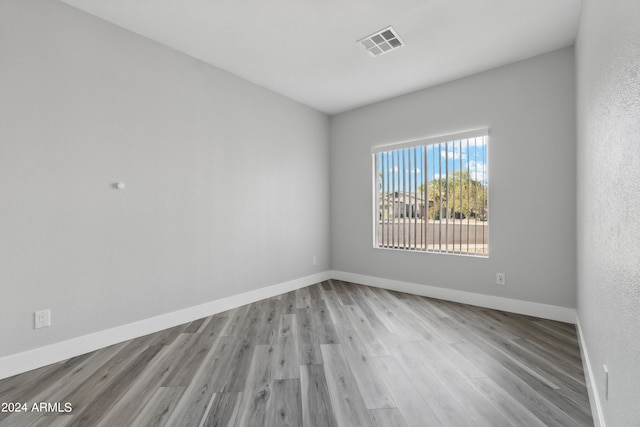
[(478, 171), (478, 142), (464, 149), (453, 152)]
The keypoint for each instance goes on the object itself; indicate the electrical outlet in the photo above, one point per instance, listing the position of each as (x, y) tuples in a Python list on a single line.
[(42, 319), (500, 279), (314, 261)]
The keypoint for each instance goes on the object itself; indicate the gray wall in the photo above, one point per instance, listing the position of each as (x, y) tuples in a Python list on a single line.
[(608, 65), (227, 183), (530, 109)]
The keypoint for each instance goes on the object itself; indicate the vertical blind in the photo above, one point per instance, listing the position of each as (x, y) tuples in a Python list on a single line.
[(431, 195)]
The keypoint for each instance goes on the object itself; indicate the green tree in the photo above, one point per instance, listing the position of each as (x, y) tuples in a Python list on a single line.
[(459, 193)]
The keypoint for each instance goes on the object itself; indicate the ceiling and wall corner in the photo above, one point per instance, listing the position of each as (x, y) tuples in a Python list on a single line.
[(308, 51)]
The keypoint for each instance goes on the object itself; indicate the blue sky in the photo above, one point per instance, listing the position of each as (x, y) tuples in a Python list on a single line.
[(467, 154)]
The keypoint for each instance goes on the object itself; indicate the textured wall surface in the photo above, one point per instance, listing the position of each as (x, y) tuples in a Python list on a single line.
[(529, 107), (608, 182), (224, 179)]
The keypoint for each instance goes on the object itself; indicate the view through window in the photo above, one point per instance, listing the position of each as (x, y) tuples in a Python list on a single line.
[(432, 195)]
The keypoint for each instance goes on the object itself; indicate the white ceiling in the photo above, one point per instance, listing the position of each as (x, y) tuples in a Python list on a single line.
[(306, 49)]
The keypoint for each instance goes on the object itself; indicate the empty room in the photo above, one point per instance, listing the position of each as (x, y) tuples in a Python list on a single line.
[(319, 213)]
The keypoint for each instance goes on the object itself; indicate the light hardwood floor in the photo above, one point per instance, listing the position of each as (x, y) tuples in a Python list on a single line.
[(331, 354)]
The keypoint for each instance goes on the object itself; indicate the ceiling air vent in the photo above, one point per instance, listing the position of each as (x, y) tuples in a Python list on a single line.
[(381, 42)]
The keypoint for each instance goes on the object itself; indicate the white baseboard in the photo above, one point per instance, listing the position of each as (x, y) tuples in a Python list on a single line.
[(22, 362), (528, 308), (592, 388), (43, 356)]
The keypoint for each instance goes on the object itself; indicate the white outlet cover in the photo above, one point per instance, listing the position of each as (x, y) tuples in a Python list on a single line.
[(42, 319)]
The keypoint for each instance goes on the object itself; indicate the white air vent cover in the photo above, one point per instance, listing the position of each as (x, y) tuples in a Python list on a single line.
[(381, 42)]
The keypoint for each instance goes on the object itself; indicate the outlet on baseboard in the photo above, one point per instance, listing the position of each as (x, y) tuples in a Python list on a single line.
[(500, 279), (314, 261), (42, 319)]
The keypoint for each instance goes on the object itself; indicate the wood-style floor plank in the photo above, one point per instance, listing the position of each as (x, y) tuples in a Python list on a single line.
[(444, 406), (508, 406), (193, 404), (308, 341), (360, 325), (317, 409), (192, 356), (349, 408), (414, 408), (330, 354), (287, 358), (386, 418), (436, 364), (160, 406), (524, 392), (284, 409), (140, 391), (372, 389), (288, 302), (57, 390), (257, 389), (102, 403)]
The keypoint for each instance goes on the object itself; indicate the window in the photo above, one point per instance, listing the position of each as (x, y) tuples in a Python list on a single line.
[(431, 195)]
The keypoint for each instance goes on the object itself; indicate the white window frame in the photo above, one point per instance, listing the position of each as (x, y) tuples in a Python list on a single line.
[(454, 224)]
